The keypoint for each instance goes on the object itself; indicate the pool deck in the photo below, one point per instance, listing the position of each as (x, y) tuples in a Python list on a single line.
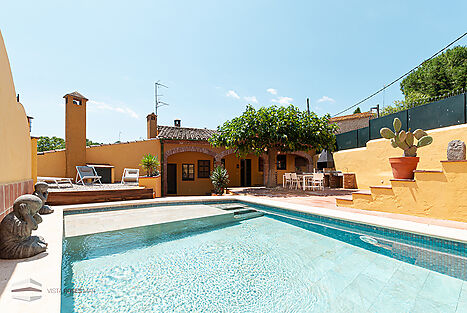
[(46, 267)]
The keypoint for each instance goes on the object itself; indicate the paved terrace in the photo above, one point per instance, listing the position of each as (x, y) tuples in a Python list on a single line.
[(327, 199)]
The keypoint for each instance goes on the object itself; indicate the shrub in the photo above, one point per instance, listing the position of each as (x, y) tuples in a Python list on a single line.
[(220, 179), (150, 163)]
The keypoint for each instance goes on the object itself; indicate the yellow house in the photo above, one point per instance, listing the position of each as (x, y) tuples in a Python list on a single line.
[(186, 156), (16, 156)]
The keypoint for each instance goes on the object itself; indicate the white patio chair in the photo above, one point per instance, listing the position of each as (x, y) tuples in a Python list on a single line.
[(308, 184), (318, 181), (87, 172), (130, 175), (286, 180), (295, 181)]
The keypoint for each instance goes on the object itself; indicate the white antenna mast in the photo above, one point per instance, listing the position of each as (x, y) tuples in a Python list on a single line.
[(158, 103)]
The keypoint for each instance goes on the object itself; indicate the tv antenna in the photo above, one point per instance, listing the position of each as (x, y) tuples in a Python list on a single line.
[(158, 103)]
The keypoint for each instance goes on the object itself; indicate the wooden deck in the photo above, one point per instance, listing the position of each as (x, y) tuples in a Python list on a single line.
[(92, 196)]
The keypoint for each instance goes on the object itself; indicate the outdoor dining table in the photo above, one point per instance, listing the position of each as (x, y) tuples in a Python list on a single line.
[(303, 177)]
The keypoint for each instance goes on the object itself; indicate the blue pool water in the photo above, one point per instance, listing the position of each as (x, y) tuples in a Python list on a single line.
[(276, 263)]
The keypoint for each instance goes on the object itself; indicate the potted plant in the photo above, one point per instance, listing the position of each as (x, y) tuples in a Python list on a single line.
[(220, 179), (150, 163), (403, 167)]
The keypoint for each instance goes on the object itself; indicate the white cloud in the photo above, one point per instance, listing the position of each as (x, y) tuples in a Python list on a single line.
[(251, 99), (325, 99), (102, 106), (232, 94), (272, 91), (283, 100)]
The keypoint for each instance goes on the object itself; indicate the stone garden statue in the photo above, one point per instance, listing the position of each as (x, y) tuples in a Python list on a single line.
[(456, 150), (40, 190), (16, 241)]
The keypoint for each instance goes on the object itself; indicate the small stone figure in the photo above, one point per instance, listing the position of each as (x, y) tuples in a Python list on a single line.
[(16, 241), (41, 190), (456, 150)]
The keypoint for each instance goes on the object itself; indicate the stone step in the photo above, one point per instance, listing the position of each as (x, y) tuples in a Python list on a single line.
[(245, 216), (243, 211), (230, 206)]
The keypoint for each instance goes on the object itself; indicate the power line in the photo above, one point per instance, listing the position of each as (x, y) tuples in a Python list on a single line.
[(393, 82)]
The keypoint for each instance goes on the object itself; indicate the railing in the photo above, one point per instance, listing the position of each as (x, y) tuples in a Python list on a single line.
[(441, 113)]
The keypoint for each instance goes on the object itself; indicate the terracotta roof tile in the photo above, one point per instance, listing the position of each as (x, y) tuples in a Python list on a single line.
[(184, 133), (353, 116)]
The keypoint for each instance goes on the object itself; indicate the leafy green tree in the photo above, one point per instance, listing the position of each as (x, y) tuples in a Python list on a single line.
[(411, 100), (45, 143), (91, 143), (441, 75), (357, 110), (275, 129)]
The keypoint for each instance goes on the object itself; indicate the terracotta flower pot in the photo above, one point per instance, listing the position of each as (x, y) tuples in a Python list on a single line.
[(403, 167)]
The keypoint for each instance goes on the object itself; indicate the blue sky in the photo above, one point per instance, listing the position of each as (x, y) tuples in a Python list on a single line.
[(216, 56)]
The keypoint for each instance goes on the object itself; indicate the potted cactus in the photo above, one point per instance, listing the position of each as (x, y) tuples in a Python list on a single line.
[(403, 167)]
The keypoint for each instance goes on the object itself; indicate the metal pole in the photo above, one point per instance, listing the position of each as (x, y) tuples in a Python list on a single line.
[(155, 92), (308, 105)]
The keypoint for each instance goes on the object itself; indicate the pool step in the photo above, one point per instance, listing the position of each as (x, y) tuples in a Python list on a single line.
[(230, 206), (239, 210), (246, 214)]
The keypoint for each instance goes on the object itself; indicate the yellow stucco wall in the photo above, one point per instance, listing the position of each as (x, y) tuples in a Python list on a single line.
[(198, 186), (52, 164), (371, 164), (124, 155), (232, 165), (15, 141)]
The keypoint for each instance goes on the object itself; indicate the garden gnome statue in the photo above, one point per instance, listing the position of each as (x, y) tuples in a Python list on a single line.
[(16, 241), (40, 190), (456, 150)]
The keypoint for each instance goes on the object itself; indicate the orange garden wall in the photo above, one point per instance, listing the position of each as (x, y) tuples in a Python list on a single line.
[(15, 140), (52, 164), (123, 155)]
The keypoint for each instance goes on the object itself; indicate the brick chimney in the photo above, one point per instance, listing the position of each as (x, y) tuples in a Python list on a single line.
[(178, 123), (152, 125)]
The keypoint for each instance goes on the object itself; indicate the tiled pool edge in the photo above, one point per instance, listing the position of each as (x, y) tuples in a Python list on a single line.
[(441, 232)]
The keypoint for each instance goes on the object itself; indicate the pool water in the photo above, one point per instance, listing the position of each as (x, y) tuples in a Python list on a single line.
[(258, 265)]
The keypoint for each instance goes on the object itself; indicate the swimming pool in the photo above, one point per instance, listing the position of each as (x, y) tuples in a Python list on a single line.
[(282, 262)]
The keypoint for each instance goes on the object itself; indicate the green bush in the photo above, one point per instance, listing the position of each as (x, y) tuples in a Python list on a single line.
[(150, 163), (220, 179)]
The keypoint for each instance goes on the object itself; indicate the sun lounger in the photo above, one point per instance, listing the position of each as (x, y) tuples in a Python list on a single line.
[(64, 181), (130, 175), (87, 172)]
